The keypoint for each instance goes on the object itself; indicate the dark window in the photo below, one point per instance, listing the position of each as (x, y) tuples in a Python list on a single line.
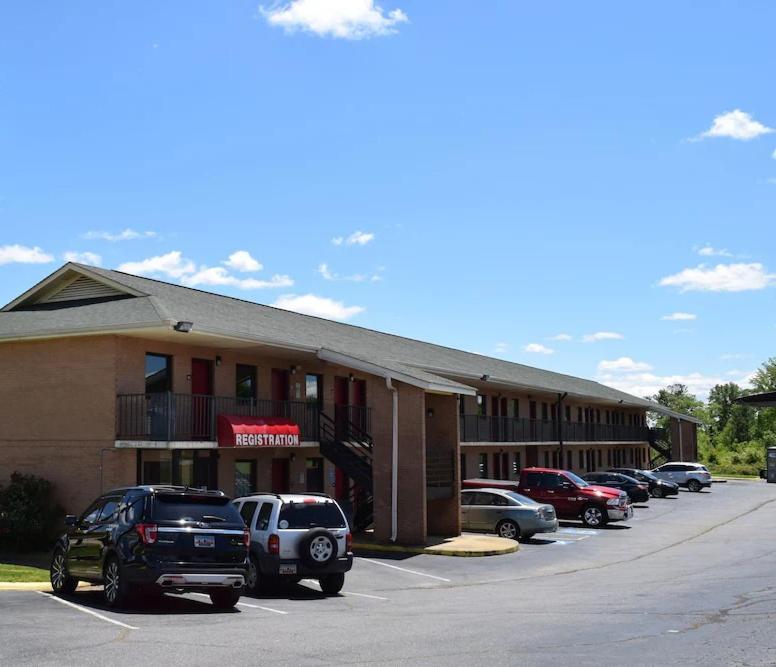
[(467, 498), (550, 481), (545, 411), (579, 414), (598, 416), (546, 459), (313, 389), (532, 409), (515, 407), (92, 514), (568, 413), (244, 477), (194, 509), (493, 499), (310, 515), (553, 412), (581, 459), (600, 458), (262, 521), (482, 405), (608, 417), (158, 373), (245, 381), (483, 468), (533, 480), (569, 464), (247, 510)]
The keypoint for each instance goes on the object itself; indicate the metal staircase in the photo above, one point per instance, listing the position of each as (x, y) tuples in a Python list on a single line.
[(349, 448), (660, 443)]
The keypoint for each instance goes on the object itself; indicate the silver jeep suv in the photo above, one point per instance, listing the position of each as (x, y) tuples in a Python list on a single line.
[(296, 536), (694, 476)]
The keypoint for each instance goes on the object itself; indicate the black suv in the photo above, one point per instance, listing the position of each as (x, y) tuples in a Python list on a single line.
[(152, 539), (658, 488)]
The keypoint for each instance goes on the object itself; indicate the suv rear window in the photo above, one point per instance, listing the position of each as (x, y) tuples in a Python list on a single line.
[(194, 509), (310, 515)]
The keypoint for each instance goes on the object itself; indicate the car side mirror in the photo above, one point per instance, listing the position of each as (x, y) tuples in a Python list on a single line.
[(71, 520)]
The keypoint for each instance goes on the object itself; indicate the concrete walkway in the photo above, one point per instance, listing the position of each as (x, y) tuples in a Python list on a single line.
[(463, 545)]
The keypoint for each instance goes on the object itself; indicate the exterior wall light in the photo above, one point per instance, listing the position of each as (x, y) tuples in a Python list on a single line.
[(183, 327), (485, 377)]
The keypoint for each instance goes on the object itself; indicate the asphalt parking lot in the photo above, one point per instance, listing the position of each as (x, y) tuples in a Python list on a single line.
[(690, 580)]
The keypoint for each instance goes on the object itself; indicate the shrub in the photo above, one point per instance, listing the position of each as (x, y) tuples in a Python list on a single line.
[(29, 517)]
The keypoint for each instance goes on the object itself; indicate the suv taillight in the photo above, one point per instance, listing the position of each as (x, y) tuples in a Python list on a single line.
[(246, 537), (147, 532), (273, 545), (349, 542)]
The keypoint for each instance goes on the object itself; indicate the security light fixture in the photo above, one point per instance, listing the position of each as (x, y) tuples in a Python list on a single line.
[(485, 377), (218, 360), (183, 327), (350, 377)]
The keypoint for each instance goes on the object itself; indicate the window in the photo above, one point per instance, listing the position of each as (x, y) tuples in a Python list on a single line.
[(92, 514), (515, 407), (517, 464), (598, 416), (553, 412), (544, 411), (608, 417), (581, 460), (467, 497), (546, 459), (194, 508), (262, 521), (532, 409), (156, 466), (568, 413), (245, 381), (110, 509), (247, 510), (579, 414), (310, 515), (608, 457), (483, 465), (600, 459), (158, 373), (494, 499), (482, 405), (569, 463), (313, 389), (244, 477)]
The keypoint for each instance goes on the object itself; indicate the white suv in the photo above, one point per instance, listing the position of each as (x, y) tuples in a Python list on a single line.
[(296, 536), (694, 476)]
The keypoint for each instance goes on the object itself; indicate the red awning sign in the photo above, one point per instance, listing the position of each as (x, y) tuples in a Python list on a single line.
[(239, 431)]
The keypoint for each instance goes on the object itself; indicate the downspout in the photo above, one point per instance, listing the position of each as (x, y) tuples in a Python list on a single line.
[(394, 458)]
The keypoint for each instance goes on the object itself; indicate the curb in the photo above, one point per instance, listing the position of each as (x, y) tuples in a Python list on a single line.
[(435, 551), (44, 586)]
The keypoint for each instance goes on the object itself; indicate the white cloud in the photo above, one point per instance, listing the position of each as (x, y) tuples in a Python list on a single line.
[(83, 257), (218, 275), (538, 348), (720, 278), (328, 274), (172, 265), (21, 254), (678, 317), (734, 355), (342, 19), (736, 124), (647, 384), (356, 238), (710, 251), (501, 348), (320, 306), (622, 365), (124, 235), (773, 155), (241, 260), (560, 336), (602, 335)]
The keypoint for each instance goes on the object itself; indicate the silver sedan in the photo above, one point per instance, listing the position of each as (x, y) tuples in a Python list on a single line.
[(506, 513)]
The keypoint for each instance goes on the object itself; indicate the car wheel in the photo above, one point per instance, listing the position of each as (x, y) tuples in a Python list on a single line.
[(254, 581), (114, 587), (508, 529), (593, 516), (318, 549), (332, 584), (61, 581), (226, 598), (656, 492), (694, 485)]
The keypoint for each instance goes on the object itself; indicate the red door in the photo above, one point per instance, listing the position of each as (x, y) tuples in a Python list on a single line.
[(340, 485), (201, 399), (280, 474), (279, 392)]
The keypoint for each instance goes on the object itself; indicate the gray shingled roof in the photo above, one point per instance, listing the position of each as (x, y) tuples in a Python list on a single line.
[(217, 314)]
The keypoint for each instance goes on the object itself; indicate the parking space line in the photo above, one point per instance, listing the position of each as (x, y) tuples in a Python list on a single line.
[(86, 610), (403, 569), (247, 604), (360, 595)]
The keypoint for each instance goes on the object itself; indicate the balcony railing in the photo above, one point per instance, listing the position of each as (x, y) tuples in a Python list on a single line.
[(192, 417), (477, 428)]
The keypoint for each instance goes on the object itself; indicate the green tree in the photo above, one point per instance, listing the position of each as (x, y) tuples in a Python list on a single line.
[(677, 397), (722, 399), (765, 377)]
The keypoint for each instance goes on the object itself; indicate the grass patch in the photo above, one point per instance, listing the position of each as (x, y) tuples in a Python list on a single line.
[(17, 573)]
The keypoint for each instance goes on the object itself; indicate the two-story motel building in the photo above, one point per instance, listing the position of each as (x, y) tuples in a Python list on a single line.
[(111, 379)]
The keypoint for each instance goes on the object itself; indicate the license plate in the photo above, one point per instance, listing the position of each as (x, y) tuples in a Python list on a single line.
[(289, 568), (207, 541)]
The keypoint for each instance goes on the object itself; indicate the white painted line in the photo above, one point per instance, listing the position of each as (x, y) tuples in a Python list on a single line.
[(403, 569), (252, 606), (364, 595), (88, 611)]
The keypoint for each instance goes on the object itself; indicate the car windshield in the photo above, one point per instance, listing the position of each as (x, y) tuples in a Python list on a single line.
[(520, 499), (310, 515), (577, 480), (194, 509), (645, 474)]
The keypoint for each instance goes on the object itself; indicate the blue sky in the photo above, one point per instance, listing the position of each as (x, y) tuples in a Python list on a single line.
[(496, 173)]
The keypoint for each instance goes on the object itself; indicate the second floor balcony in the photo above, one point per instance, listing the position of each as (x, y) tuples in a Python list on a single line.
[(478, 428), (167, 416)]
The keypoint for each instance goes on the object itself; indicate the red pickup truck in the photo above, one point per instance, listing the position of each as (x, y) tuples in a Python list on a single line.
[(570, 495)]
